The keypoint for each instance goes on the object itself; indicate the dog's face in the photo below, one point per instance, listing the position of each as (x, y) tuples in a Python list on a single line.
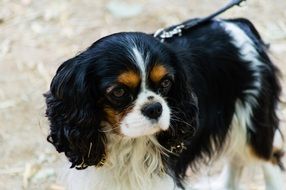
[(126, 83), (134, 81)]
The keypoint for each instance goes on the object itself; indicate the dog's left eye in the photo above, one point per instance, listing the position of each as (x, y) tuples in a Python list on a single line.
[(166, 83), (165, 86)]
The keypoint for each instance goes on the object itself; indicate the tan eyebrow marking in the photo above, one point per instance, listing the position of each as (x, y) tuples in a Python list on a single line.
[(157, 73), (129, 78)]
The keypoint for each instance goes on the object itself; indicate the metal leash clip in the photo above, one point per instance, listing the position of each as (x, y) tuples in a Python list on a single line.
[(166, 33)]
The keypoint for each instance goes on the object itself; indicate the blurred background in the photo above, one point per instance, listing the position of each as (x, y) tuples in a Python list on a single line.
[(36, 36)]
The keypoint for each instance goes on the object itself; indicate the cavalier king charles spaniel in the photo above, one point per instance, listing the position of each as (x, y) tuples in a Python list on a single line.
[(134, 113)]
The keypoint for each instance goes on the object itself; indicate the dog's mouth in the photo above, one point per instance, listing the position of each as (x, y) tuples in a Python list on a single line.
[(141, 130), (136, 124)]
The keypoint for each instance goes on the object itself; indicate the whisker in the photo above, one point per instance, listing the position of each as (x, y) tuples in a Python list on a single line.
[(184, 122), (108, 130)]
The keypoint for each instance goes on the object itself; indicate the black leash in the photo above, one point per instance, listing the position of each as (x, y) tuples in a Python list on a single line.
[(171, 31)]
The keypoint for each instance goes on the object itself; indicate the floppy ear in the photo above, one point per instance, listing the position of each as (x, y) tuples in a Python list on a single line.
[(184, 107), (184, 123), (74, 116), (184, 104)]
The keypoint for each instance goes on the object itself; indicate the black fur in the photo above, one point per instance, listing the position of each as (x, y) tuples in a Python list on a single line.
[(73, 114), (219, 76), (210, 76)]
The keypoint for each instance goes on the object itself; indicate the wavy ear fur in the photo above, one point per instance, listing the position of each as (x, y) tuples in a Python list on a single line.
[(74, 116), (184, 121)]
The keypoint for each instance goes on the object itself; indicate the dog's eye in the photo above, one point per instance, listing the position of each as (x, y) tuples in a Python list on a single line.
[(165, 86), (119, 95), (118, 92), (166, 83)]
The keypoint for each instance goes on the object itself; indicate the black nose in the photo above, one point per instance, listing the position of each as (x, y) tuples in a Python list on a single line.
[(152, 111)]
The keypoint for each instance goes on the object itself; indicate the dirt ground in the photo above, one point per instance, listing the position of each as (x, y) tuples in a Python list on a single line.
[(36, 36)]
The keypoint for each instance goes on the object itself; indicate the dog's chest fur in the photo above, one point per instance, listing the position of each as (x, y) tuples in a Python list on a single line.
[(131, 164)]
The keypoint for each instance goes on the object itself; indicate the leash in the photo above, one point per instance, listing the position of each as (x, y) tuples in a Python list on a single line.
[(169, 32)]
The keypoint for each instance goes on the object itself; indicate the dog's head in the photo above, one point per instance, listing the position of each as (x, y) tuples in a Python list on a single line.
[(130, 84)]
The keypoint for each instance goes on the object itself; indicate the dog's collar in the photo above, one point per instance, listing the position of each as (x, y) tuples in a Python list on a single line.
[(177, 30)]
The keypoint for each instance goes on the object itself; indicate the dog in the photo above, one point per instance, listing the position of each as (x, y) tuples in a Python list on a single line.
[(133, 112)]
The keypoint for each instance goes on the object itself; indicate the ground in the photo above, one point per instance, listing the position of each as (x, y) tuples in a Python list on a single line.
[(36, 36)]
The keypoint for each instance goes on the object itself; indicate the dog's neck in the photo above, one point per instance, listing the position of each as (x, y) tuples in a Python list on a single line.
[(133, 162)]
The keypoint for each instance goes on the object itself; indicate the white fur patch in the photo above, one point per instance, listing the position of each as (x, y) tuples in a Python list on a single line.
[(273, 177), (141, 63), (131, 164)]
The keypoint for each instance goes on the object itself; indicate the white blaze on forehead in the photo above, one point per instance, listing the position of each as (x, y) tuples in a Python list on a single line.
[(139, 59), (135, 124), (141, 62)]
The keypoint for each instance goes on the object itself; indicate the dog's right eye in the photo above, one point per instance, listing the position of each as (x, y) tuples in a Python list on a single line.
[(118, 92), (119, 95)]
